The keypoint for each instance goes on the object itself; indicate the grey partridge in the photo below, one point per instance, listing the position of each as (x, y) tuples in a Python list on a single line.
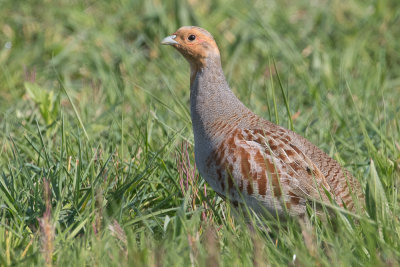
[(246, 158)]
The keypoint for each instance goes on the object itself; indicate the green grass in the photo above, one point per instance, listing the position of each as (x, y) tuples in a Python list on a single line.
[(96, 164)]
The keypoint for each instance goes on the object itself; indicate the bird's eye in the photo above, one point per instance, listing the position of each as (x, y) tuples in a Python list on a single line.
[(191, 37)]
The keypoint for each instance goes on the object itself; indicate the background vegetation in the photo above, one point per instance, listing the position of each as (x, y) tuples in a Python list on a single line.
[(96, 164)]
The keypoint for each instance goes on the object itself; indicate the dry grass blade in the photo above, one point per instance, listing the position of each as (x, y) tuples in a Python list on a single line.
[(46, 226)]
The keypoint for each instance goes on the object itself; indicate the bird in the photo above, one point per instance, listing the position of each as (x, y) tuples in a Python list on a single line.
[(247, 159)]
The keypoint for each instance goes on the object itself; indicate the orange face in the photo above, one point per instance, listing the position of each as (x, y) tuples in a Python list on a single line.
[(194, 43)]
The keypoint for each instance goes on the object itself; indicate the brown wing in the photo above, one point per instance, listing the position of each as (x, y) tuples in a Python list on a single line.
[(268, 169), (344, 186), (310, 181)]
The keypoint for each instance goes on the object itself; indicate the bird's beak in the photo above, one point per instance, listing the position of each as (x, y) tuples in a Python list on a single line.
[(169, 40)]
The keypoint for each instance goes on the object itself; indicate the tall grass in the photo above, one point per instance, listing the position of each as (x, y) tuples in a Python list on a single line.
[(97, 165)]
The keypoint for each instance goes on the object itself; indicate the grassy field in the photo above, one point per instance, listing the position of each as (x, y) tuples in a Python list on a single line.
[(97, 164)]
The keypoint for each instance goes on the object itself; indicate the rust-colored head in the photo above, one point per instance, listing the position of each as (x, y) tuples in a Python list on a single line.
[(194, 43)]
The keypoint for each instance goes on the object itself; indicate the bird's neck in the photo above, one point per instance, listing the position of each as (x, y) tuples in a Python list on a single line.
[(210, 96)]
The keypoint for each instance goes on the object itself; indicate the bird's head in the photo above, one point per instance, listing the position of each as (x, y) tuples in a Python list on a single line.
[(194, 43)]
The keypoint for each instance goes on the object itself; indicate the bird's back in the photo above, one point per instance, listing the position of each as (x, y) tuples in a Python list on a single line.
[(257, 161)]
